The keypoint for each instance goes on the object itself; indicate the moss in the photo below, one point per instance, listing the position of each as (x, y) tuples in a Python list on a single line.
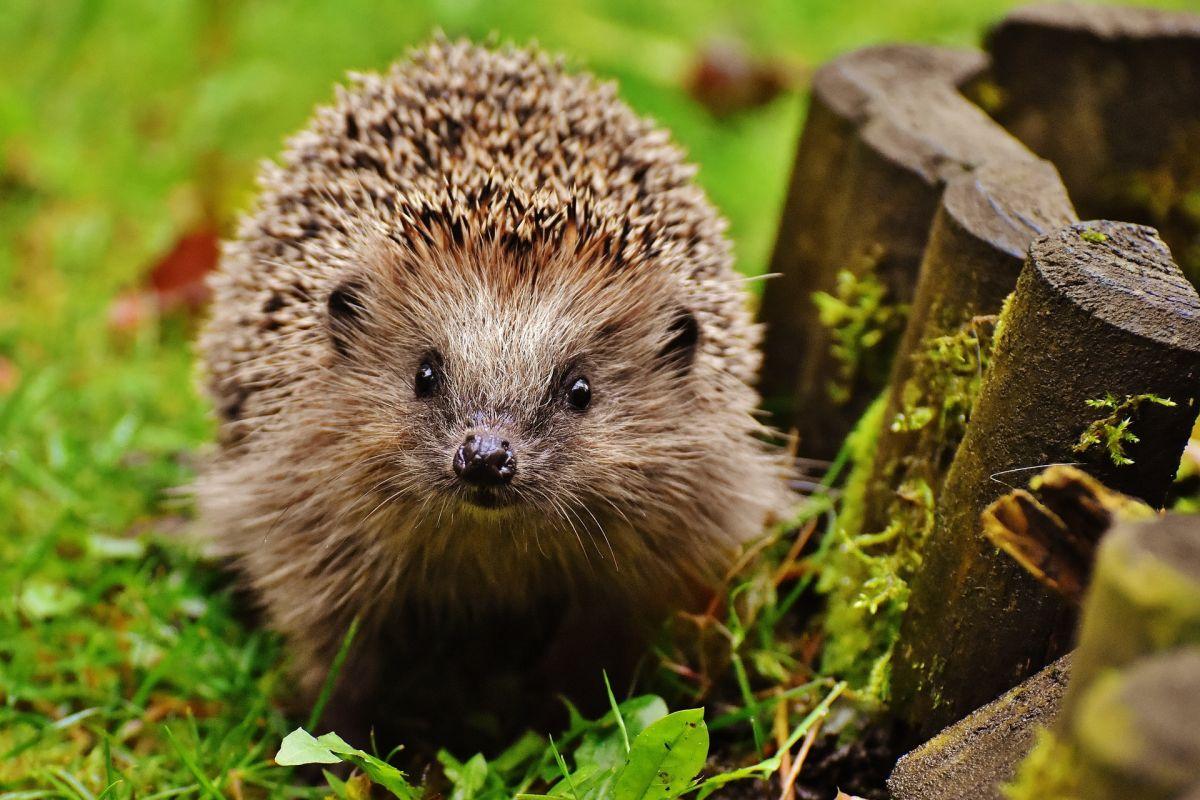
[(946, 378), (1095, 237), (866, 577), (1049, 772), (861, 445), (863, 325), (1111, 432), (850, 631)]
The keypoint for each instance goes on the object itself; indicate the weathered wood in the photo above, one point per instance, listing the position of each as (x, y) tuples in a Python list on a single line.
[(1128, 720), (1124, 718), (886, 127), (1112, 96), (1052, 529), (978, 754), (1144, 598), (981, 233), (1135, 732), (1100, 310)]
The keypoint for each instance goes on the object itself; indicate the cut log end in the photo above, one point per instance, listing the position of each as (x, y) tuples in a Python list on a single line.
[(1122, 274)]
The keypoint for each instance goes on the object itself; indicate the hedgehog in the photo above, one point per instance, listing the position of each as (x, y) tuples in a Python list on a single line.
[(479, 351)]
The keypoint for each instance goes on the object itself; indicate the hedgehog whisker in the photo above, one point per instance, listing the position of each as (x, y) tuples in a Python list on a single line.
[(603, 533)]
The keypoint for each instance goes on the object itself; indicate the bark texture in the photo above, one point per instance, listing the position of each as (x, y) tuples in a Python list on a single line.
[(981, 233), (886, 128), (1100, 311), (1112, 96)]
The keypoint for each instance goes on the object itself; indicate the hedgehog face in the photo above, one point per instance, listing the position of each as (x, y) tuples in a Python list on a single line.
[(498, 398)]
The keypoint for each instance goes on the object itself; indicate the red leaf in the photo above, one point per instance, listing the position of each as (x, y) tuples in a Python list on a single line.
[(9, 374), (726, 79), (175, 283)]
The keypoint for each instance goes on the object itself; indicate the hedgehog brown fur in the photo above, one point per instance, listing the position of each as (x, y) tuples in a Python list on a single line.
[(517, 227)]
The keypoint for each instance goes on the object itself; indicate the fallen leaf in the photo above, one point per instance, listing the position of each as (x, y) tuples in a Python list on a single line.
[(162, 706), (9, 375), (174, 283), (726, 79)]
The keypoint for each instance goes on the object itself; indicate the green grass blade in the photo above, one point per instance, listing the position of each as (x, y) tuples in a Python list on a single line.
[(335, 669), (612, 701), (210, 790)]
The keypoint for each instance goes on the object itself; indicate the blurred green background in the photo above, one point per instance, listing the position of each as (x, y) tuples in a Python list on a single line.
[(128, 124)]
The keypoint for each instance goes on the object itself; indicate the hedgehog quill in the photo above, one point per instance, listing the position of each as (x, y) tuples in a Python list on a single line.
[(479, 350)]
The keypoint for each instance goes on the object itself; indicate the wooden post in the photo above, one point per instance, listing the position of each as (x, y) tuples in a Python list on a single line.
[(1135, 731), (1100, 312), (1147, 596), (886, 127), (1128, 722), (983, 228), (1144, 598), (978, 754), (1112, 96)]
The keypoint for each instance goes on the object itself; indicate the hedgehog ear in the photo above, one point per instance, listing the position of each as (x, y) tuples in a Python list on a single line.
[(683, 338), (346, 311)]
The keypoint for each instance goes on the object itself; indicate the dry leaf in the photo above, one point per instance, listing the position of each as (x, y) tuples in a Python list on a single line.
[(726, 79), (176, 282), (9, 375)]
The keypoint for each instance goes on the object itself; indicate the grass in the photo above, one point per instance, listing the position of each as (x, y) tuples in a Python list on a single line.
[(125, 668)]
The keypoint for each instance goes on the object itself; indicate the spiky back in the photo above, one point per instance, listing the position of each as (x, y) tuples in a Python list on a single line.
[(461, 141)]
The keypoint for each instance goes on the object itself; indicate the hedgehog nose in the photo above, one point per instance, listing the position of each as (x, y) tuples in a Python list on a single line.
[(485, 460)]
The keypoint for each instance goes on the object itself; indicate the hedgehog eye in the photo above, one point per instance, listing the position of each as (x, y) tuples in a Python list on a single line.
[(579, 393), (427, 379)]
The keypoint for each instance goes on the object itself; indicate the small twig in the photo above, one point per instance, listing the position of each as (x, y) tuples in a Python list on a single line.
[(789, 782), (794, 551), (781, 735)]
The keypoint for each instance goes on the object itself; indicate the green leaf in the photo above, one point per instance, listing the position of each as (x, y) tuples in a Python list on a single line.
[(664, 758), (468, 778), (335, 783), (603, 746), (42, 599), (379, 771), (519, 754), (299, 747), (612, 701), (643, 711)]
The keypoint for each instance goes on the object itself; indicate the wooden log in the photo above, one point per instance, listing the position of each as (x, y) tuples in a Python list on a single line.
[(1052, 529), (886, 127), (1100, 311), (1112, 96), (1127, 730), (1127, 724), (978, 754), (1135, 731), (1144, 598), (981, 233)]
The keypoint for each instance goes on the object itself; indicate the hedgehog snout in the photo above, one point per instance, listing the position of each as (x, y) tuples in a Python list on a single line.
[(485, 460)]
